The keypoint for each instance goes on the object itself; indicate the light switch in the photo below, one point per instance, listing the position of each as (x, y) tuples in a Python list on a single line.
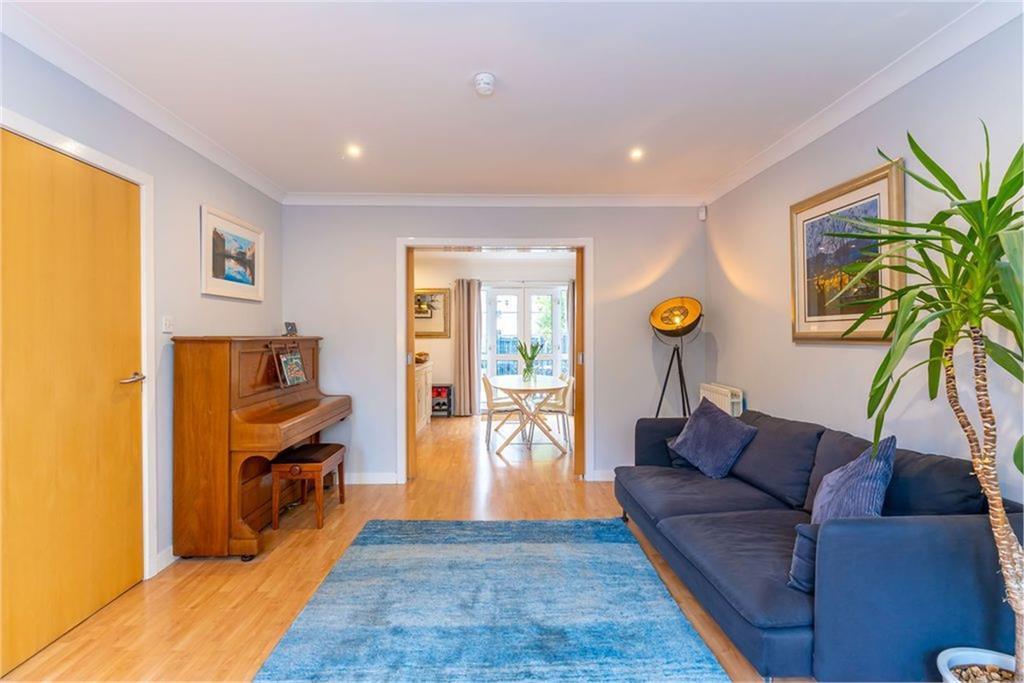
[(167, 324)]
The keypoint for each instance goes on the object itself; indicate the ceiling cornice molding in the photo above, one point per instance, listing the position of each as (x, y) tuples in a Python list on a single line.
[(977, 22), (28, 31), (490, 200)]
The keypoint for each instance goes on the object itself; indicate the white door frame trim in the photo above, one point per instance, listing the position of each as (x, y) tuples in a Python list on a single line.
[(152, 560), (586, 243)]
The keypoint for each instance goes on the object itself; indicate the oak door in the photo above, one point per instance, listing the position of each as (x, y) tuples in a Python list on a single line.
[(70, 431)]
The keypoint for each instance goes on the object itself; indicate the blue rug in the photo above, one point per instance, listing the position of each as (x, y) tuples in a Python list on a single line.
[(492, 601)]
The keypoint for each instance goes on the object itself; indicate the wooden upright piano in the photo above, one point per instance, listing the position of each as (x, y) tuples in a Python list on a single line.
[(232, 415)]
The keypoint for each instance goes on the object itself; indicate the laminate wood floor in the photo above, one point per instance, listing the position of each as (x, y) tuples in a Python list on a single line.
[(218, 619)]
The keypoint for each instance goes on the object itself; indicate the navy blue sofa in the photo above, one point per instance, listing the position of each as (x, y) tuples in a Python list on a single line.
[(890, 592)]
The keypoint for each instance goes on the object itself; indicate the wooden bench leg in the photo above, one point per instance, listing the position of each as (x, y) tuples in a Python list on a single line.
[(340, 477), (319, 482), (302, 489), (275, 499)]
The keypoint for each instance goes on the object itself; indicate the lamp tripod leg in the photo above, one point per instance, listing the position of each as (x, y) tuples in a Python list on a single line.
[(682, 383), (664, 385)]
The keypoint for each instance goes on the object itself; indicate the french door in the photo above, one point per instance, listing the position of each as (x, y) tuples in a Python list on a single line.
[(532, 314)]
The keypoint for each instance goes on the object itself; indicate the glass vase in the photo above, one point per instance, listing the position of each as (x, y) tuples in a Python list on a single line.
[(527, 369)]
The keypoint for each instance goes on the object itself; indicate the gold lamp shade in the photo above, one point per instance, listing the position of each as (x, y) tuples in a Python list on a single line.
[(676, 316)]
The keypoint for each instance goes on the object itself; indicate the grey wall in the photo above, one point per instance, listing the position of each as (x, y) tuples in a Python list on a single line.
[(748, 323), (341, 265), (182, 181)]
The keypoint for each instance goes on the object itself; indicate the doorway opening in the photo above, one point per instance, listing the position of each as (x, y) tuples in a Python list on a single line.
[(495, 363)]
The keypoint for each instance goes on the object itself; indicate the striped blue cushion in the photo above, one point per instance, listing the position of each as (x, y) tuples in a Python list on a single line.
[(857, 489)]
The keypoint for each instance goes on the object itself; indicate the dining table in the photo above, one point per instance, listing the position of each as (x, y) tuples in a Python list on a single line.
[(542, 389)]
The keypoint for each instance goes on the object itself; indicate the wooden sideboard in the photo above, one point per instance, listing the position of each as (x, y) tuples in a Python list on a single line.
[(424, 394), (232, 416)]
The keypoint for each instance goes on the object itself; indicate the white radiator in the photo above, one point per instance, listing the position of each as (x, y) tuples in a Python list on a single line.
[(729, 399)]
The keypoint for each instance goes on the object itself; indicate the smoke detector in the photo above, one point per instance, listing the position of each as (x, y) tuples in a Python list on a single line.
[(483, 83)]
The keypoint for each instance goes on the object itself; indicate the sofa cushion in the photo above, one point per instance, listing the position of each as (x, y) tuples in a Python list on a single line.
[(667, 491), (746, 556), (711, 440), (921, 484), (835, 449), (780, 457), (805, 558), (857, 489), (932, 485)]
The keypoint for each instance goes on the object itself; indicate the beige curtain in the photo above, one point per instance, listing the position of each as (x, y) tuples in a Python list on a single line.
[(466, 305)]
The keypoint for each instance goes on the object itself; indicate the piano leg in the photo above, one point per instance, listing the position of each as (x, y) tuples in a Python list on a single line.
[(242, 539)]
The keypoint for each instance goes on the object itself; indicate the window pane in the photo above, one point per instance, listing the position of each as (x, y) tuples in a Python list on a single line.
[(507, 322), (540, 321), (565, 366), (544, 367), (507, 367), (563, 320)]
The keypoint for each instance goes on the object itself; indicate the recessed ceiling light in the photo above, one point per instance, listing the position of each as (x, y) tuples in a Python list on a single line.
[(353, 151), (636, 154)]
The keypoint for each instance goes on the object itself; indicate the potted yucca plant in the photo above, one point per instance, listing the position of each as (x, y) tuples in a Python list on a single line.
[(964, 275)]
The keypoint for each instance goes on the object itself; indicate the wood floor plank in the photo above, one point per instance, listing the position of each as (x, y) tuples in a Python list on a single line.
[(218, 619)]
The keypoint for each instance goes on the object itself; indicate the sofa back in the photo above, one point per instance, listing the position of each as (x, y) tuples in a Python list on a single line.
[(781, 456), (921, 484)]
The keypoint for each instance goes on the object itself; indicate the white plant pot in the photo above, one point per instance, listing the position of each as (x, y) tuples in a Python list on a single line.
[(959, 656)]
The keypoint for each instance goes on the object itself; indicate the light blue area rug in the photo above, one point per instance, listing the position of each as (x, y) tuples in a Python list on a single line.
[(492, 601)]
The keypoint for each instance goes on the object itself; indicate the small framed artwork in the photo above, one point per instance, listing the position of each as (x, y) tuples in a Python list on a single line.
[(432, 313), (820, 259), (291, 329), (292, 371), (232, 256)]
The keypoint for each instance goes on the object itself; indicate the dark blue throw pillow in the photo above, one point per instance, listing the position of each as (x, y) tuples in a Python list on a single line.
[(711, 441), (801, 571), (857, 489)]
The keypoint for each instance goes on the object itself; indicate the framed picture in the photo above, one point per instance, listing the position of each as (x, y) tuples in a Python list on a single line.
[(232, 256), (431, 312), (292, 371), (820, 259)]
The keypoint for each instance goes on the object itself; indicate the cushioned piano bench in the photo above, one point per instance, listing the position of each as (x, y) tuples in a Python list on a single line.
[(309, 462)]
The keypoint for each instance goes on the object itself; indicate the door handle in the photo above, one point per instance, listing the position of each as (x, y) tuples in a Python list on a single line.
[(136, 377)]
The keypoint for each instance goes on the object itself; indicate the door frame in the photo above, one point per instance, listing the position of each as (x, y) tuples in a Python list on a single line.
[(153, 561), (402, 247)]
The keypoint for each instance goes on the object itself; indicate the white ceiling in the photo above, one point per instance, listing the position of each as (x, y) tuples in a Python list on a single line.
[(703, 87)]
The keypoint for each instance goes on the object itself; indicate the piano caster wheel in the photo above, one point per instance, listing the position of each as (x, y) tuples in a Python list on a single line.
[(247, 558)]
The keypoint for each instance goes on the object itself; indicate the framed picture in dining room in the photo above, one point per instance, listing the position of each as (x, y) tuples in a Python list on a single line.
[(232, 254), (432, 313), (823, 261)]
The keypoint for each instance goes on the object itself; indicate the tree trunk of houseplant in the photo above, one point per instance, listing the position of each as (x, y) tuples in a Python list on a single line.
[(983, 457)]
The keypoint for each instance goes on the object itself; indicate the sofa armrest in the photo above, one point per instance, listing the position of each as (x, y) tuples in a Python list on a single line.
[(892, 592), (649, 446)]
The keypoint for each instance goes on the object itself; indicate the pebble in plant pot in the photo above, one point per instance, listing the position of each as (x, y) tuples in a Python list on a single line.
[(974, 665)]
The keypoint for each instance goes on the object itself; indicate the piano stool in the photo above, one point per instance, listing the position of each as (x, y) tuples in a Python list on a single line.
[(313, 462)]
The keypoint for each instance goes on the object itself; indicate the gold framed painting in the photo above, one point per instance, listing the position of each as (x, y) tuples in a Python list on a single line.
[(431, 313), (819, 259)]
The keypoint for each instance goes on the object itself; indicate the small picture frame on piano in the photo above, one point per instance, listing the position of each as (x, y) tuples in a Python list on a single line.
[(291, 329), (290, 368)]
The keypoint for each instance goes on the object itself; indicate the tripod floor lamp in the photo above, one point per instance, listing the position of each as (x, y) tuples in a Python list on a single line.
[(672, 320)]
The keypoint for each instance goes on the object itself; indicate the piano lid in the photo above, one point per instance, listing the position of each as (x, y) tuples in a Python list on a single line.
[(275, 425)]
